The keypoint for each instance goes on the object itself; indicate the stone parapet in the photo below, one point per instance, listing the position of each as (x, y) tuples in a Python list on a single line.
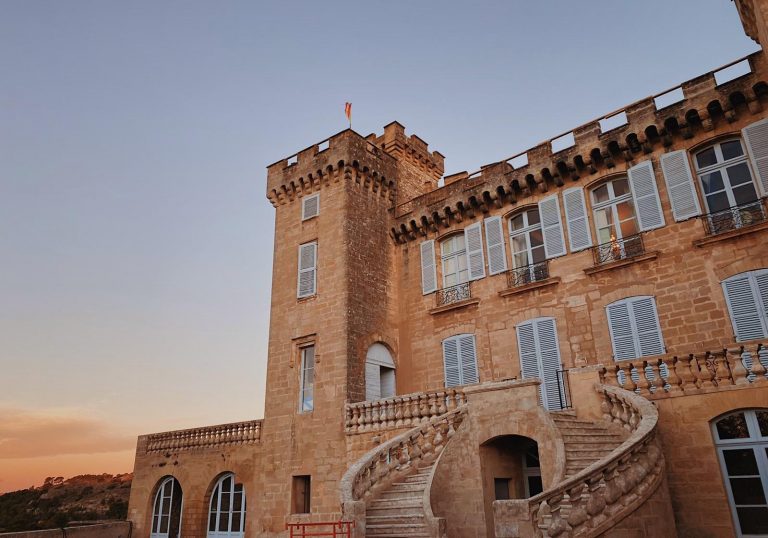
[(236, 433)]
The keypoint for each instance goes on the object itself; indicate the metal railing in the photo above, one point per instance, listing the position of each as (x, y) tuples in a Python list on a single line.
[(453, 294), (735, 217), (564, 389), (618, 249), (534, 272), (334, 529)]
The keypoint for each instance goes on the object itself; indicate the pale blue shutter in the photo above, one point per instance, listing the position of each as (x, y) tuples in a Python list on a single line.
[(620, 327), (526, 346), (747, 308), (552, 227), (451, 362), (549, 356), (579, 235), (428, 274), (646, 319), (468, 357), (372, 381), (473, 236), (310, 206), (682, 193), (307, 278), (646, 196), (494, 238), (756, 137)]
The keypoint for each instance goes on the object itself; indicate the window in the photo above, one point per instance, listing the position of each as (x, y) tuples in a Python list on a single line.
[(307, 390), (526, 238), (226, 516), (532, 471), (310, 206), (166, 514), (634, 328), (307, 278), (747, 298), (301, 493), (540, 357), (614, 211), (726, 180), (460, 360), (379, 373), (454, 257), (742, 446)]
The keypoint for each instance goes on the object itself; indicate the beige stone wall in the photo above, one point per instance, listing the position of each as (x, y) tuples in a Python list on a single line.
[(653, 518)]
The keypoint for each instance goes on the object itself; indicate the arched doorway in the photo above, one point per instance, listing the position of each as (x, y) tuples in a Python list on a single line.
[(742, 446), (166, 512), (379, 373), (226, 516)]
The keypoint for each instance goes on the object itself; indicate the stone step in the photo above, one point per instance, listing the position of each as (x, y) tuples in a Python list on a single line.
[(416, 479), (407, 486), (598, 437), (413, 519), (398, 503), (397, 529)]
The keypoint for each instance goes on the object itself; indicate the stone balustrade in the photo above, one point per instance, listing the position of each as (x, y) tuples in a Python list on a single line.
[(590, 502), (236, 433), (404, 411), (678, 375)]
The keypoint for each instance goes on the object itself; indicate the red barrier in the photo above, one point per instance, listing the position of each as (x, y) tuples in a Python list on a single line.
[(338, 529)]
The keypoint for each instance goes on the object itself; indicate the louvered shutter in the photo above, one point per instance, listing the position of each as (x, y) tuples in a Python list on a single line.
[(473, 237), (620, 326), (646, 196), (387, 382), (682, 193), (372, 381), (468, 356), (526, 346), (552, 227), (579, 235), (761, 281), (310, 206), (307, 270), (646, 319), (756, 137), (451, 362), (494, 237), (745, 306), (549, 355), (428, 274)]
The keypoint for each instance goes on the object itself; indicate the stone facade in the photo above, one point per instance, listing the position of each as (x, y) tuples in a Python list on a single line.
[(379, 202)]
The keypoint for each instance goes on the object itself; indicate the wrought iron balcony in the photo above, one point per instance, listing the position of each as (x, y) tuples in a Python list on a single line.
[(618, 249), (535, 272), (735, 217), (454, 294)]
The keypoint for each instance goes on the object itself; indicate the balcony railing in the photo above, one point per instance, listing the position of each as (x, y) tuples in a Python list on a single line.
[(735, 217), (535, 272), (618, 249), (454, 294), (237, 433)]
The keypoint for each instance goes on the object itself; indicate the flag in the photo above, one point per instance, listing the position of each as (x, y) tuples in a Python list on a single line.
[(348, 111)]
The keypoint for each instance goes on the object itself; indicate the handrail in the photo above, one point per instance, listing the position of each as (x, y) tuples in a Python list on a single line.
[(235, 433), (618, 249), (453, 294), (734, 218), (613, 485)]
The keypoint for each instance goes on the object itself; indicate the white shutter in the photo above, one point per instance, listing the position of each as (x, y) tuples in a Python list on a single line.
[(579, 235), (307, 280), (451, 362), (540, 357), (647, 323), (682, 193), (552, 227), (310, 206), (745, 300), (756, 137), (620, 326), (473, 238), (387, 382), (646, 196), (468, 357), (494, 237), (428, 274), (372, 382)]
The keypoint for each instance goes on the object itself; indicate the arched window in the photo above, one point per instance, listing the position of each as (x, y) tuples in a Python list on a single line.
[(742, 445), (527, 241), (226, 517), (166, 514), (453, 252), (615, 220), (379, 373), (726, 181)]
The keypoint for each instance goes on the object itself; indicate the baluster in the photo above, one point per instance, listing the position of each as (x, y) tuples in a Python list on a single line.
[(432, 402), (722, 375), (441, 410), (424, 407), (416, 410), (674, 383), (659, 382), (355, 426), (705, 376), (406, 410), (462, 397), (390, 413), (629, 383), (645, 384), (759, 367), (612, 490), (368, 417), (360, 417), (398, 412), (616, 410), (579, 496), (376, 415), (609, 376), (347, 418), (738, 371), (450, 400), (558, 525), (596, 501), (606, 405), (683, 370)]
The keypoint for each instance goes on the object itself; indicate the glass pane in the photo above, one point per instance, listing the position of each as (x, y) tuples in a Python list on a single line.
[(537, 238), (628, 227), (164, 523), (309, 377), (462, 263), (449, 266), (532, 458), (237, 505), (605, 235), (516, 222), (533, 217), (739, 174), (236, 522), (706, 157), (225, 502), (154, 523), (166, 505), (744, 194), (520, 243), (712, 182), (538, 254), (224, 521), (625, 210), (212, 522), (747, 491), (521, 259), (309, 356), (717, 202), (534, 485), (732, 427), (731, 149), (600, 194), (620, 187), (753, 520), (226, 484), (451, 280), (739, 462), (603, 217), (762, 421), (463, 275)]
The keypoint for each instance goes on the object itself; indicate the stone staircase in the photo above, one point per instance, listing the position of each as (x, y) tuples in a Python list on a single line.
[(398, 511), (586, 441)]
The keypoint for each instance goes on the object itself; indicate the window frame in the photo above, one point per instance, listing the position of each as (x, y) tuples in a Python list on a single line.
[(154, 531), (457, 255), (300, 271), (612, 204), (303, 377), (216, 493), (304, 202), (722, 165), (525, 232)]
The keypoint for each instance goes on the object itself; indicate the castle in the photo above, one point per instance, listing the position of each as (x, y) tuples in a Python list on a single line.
[(572, 341)]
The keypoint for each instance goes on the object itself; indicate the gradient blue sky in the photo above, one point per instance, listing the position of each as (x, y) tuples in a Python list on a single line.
[(135, 236)]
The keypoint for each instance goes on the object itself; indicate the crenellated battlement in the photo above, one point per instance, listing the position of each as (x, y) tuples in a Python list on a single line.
[(610, 143)]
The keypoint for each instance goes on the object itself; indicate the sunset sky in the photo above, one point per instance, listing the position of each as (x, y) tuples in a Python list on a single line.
[(135, 236)]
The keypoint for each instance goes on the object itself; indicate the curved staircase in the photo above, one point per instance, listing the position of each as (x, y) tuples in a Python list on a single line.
[(586, 441), (398, 511)]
